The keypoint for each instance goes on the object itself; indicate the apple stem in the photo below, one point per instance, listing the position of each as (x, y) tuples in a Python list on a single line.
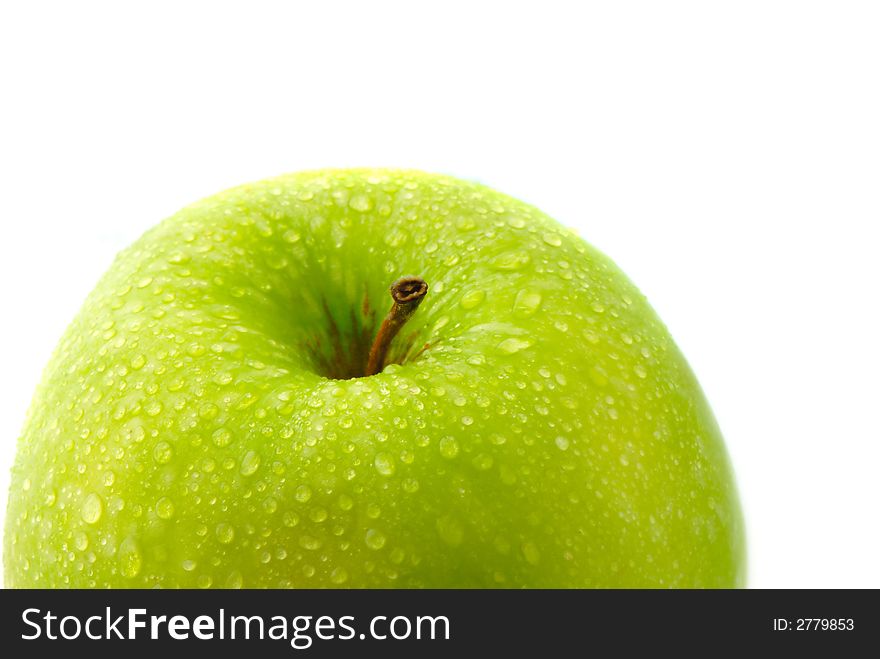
[(407, 293)]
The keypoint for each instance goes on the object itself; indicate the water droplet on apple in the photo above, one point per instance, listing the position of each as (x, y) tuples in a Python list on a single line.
[(235, 580), (396, 237), (130, 559), (361, 203), (562, 443), (448, 447), (225, 533), (291, 236), (221, 437), (303, 493), (309, 542), (92, 508), (209, 411), (223, 378), (552, 239), (384, 464), (526, 303), (188, 565), (153, 408), (179, 258), (531, 553), (81, 540), (196, 350), (375, 539), (339, 575), (640, 371), (511, 261), (472, 298), (513, 344), (250, 463), (442, 321), (164, 508), (162, 453)]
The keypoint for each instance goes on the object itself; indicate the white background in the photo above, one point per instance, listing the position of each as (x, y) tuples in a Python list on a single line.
[(726, 155)]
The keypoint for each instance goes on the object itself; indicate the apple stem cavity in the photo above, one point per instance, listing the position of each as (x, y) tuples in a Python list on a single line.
[(407, 293)]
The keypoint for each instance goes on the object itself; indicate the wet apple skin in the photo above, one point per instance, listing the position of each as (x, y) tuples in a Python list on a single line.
[(538, 427)]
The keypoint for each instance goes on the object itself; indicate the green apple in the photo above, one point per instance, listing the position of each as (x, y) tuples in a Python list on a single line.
[(209, 420)]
